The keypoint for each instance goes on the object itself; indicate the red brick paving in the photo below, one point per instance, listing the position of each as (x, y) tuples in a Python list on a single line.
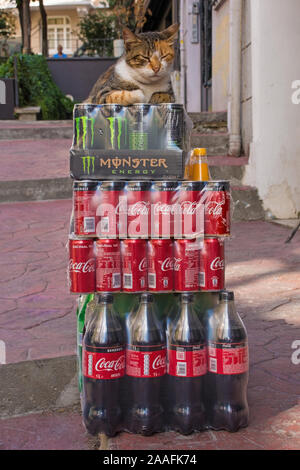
[(37, 319), (46, 431), (36, 310), (34, 159)]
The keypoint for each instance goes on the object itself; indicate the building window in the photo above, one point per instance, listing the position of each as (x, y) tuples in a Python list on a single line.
[(59, 32)]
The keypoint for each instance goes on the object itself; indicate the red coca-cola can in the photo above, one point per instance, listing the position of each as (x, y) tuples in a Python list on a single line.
[(111, 201), (163, 199), (217, 208), (81, 269), (189, 210), (134, 265), (186, 265), (212, 265), (138, 209), (85, 206), (160, 265), (108, 265)]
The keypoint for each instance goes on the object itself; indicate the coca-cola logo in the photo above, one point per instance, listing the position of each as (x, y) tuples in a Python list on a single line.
[(177, 262), (162, 208), (189, 207), (109, 365), (215, 209), (159, 361), (167, 264), (143, 265), (82, 267), (139, 208), (217, 264)]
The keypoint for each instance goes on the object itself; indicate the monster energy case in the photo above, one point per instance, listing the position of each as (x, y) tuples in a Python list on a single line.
[(121, 142)]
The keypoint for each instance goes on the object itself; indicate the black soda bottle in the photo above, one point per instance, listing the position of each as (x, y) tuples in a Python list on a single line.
[(187, 367), (228, 366), (103, 369), (145, 369)]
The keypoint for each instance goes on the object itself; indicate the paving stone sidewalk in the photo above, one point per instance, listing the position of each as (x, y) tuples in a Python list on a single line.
[(34, 159), (37, 320)]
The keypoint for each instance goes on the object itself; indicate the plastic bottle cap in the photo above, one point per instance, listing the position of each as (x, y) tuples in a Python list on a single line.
[(199, 151), (105, 298), (187, 296), (147, 296), (226, 295)]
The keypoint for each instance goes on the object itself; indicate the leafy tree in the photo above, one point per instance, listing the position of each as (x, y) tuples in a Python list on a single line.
[(96, 33), (7, 25), (100, 27)]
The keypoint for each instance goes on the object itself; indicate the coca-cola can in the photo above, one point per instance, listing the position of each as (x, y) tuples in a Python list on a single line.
[(138, 209), (134, 265), (212, 265), (81, 269), (189, 210), (217, 208), (85, 206), (163, 198), (111, 201), (108, 265), (186, 265), (160, 265)]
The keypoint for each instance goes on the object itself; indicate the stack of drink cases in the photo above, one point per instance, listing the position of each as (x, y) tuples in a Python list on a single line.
[(154, 250)]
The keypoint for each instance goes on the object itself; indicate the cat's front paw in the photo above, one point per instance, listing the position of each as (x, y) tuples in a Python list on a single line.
[(161, 97), (125, 98)]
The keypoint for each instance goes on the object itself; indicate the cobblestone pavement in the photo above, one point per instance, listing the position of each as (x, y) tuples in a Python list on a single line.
[(37, 321), (34, 159)]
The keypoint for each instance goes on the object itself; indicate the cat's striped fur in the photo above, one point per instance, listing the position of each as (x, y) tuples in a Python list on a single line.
[(142, 74)]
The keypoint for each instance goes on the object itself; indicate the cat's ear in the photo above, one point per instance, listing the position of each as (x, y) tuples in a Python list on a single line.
[(129, 38), (170, 34)]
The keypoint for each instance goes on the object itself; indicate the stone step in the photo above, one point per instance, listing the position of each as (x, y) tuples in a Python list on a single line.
[(16, 130), (246, 203), (209, 122), (227, 168), (216, 144), (36, 190)]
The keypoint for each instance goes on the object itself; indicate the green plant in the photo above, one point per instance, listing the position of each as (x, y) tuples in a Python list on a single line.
[(97, 32), (7, 25), (36, 86)]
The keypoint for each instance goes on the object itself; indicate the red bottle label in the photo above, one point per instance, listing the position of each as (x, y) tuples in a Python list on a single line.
[(227, 359), (142, 362), (187, 361), (106, 363)]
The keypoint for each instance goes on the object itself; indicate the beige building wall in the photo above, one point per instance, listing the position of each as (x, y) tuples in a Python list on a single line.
[(36, 35)]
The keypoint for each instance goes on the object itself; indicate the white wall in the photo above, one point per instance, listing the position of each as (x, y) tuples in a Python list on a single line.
[(192, 61), (220, 56), (275, 150)]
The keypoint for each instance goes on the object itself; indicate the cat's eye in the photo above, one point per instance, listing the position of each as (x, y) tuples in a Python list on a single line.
[(141, 57), (165, 56)]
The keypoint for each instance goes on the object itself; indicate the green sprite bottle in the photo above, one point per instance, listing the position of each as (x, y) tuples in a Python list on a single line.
[(83, 301)]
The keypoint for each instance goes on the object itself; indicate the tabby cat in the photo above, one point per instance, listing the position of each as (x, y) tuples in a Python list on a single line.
[(142, 74)]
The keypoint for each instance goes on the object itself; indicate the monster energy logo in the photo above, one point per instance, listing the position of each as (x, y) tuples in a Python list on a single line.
[(112, 121), (84, 120), (88, 164)]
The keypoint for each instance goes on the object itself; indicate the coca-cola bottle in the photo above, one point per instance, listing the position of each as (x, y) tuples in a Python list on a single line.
[(187, 368), (145, 369), (227, 376), (103, 364)]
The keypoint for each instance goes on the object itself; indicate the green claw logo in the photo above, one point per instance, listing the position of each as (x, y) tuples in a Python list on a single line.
[(84, 120), (119, 121), (88, 164)]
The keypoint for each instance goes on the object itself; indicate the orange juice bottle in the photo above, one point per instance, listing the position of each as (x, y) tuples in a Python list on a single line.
[(198, 168)]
